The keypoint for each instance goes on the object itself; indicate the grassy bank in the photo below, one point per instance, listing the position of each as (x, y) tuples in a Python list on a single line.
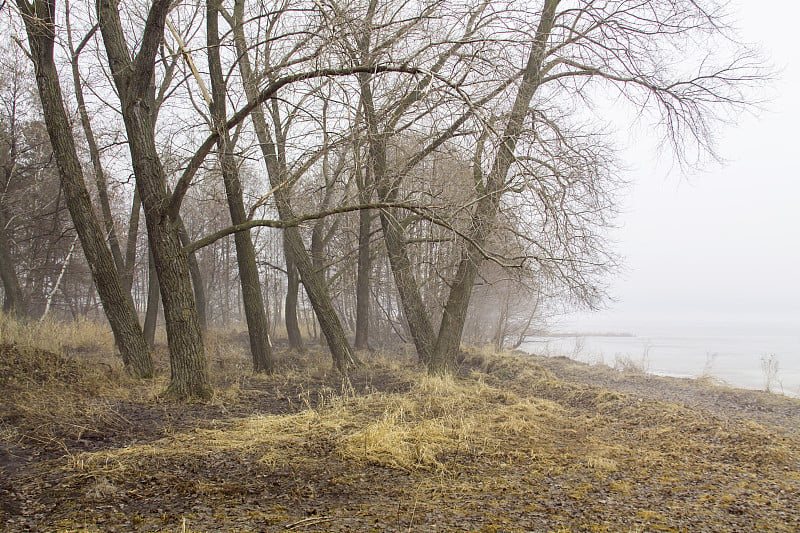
[(513, 443)]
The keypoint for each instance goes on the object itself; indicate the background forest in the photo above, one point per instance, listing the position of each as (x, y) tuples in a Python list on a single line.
[(428, 172)]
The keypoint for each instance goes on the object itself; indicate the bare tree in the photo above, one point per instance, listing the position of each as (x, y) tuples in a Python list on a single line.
[(621, 45), (492, 187), (124, 262), (528, 156), (94, 150), (13, 297), (133, 78), (257, 325), (39, 18), (293, 334), (467, 128), (280, 181)]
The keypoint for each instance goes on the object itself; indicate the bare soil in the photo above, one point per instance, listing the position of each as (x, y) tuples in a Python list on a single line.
[(535, 444)]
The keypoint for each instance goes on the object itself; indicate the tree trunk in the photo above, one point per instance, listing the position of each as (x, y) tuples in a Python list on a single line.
[(130, 245), (134, 82), (188, 368), (455, 311), (116, 302), (417, 319), (13, 300), (290, 310), (200, 300), (315, 286), (317, 291), (51, 294), (153, 301), (257, 325), (94, 154), (501, 328), (363, 278), (365, 182)]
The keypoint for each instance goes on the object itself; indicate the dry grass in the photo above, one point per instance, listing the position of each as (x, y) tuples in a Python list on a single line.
[(508, 445), (57, 378), (73, 337), (61, 379), (418, 430), (442, 417), (47, 396), (630, 364), (464, 440)]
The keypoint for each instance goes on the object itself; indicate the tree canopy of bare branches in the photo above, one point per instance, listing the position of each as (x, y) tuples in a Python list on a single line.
[(475, 132)]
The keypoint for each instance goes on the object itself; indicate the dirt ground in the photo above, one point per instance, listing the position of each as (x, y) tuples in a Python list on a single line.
[(515, 443), (703, 394)]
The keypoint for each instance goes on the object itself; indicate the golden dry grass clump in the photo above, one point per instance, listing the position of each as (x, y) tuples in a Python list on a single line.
[(442, 417), (60, 377), (56, 377), (420, 429), (78, 336)]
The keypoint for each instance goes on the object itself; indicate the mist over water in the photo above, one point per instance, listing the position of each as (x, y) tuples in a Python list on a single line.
[(741, 353)]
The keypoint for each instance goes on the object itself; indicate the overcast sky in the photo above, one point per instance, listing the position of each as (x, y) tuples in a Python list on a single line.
[(722, 244)]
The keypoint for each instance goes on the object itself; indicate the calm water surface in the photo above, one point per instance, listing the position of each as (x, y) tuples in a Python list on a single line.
[(742, 355)]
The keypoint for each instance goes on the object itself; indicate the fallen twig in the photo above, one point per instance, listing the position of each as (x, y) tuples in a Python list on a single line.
[(308, 521)]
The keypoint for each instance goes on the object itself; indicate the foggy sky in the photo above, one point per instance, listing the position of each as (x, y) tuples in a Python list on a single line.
[(721, 244)]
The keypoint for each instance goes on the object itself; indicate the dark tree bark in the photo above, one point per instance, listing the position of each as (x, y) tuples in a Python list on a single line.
[(134, 83), (39, 23), (153, 301), (257, 325), (13, 298), (290, 308), (365, 181), (315, 286), (317, 291)]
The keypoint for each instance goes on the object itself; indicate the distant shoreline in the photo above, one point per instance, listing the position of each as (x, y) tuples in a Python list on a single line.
[(558, 334), (749, 359)]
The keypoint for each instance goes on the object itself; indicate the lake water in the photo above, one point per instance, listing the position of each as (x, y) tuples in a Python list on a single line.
[(739, 354)]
